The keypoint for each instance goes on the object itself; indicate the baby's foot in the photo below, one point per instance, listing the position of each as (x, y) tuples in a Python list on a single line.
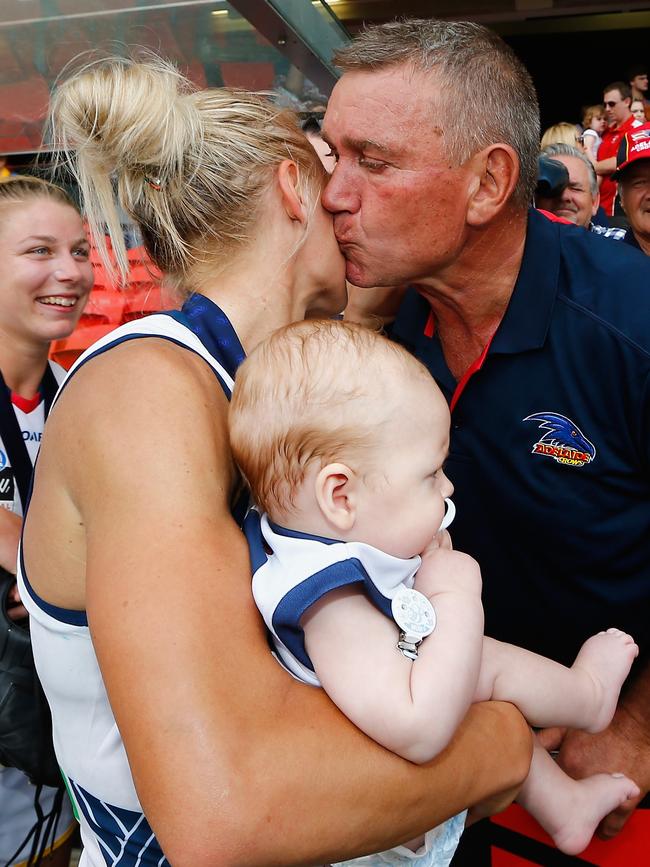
[(589, 801), (606, 658)]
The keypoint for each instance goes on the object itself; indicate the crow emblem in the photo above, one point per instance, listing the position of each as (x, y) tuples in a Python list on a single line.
[(562, 440)]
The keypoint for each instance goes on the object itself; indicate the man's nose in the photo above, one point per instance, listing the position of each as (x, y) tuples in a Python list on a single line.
[(339, 194)]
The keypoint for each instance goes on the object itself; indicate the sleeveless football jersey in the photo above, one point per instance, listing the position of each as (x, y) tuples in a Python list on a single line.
[(88, 744)]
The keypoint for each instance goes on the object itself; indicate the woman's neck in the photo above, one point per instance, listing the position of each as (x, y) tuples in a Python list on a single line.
[(23, 365), (258, 296)]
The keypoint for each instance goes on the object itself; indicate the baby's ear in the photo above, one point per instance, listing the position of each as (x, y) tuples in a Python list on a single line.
[(336, 496)]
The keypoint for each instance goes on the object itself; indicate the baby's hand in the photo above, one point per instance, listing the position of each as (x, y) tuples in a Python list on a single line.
[(442, 539), (444, 570)]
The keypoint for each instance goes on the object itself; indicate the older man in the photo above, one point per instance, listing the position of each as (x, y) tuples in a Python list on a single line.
[(633, 176), (579, 200), (544, 362)]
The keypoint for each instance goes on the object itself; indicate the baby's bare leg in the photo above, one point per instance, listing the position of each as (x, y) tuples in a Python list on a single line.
[(570, 810), (549, 694)]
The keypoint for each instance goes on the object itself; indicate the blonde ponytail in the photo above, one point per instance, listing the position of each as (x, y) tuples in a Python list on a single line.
[(190, 166)]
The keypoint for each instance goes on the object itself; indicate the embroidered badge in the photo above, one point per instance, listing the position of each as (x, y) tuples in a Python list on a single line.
[(563, 440)]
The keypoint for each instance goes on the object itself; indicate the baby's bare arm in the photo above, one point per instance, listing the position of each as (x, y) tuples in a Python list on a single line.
[(411, 707)]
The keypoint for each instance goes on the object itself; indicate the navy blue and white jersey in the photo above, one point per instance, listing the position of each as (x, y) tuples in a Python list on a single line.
[(88, 744), (30, 416)]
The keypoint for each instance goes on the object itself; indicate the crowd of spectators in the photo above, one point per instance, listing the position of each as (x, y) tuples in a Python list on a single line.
[(607, 183)]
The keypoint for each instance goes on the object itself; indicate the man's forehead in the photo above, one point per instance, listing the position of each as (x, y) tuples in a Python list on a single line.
[(578, 171), (379, 108)]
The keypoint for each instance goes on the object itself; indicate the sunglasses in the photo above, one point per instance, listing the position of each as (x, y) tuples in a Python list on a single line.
[(611, 103)]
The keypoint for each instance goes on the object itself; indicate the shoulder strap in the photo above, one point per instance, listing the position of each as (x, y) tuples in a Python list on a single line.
[(12, 437)]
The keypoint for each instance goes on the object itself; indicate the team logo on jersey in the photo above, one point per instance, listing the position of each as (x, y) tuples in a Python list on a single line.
[(563, 440), (32, 436), (3, 460)]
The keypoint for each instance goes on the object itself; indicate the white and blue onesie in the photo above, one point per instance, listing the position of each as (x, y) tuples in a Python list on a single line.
[(291, 572)]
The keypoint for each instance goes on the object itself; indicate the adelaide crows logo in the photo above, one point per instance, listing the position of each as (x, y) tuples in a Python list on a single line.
[(563, 440)]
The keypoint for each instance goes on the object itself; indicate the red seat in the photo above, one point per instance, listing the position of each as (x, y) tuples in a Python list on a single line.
[(159, 37), (628, 849), (195, 71), (65, 352), (12, 70), (65, 42), (24, 100), (104, 307), (142, 301), (13, 137), (249, 76)]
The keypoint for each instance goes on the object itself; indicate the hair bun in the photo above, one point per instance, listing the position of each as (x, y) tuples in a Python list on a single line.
[(123, 115)]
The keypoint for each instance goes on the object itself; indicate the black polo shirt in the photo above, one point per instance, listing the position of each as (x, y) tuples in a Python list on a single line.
[(550, 443)]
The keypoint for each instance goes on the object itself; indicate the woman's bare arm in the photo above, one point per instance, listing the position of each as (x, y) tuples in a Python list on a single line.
[(10, 525), (235, 763)]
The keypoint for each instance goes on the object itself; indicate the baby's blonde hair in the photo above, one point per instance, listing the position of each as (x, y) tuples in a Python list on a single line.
[(190, 167), (315, 391), (590, 113)]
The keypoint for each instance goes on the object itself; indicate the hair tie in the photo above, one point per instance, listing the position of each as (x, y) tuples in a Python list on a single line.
[(154, 183)]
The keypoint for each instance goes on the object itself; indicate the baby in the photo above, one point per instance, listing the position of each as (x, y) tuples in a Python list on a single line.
[(342, 436)]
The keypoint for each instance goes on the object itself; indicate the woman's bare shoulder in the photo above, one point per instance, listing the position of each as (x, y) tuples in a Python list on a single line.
[(134, 407)]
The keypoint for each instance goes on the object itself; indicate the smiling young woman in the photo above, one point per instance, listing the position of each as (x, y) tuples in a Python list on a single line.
[(45, 279)]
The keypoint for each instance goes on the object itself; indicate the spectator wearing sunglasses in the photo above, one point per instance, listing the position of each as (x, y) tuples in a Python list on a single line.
[(617, 98)]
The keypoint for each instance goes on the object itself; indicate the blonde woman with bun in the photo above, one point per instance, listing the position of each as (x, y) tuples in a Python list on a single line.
[(181, 739)]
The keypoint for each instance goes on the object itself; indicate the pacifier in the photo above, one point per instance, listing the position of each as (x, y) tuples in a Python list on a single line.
[(450, 514)]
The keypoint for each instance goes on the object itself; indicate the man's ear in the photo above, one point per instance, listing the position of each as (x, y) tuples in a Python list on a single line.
[(288, 178), (496, 174), (336, 496)]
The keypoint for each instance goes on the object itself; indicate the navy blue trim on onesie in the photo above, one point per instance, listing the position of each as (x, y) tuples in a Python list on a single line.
[(296, 534), (291, 609), (293, 606)]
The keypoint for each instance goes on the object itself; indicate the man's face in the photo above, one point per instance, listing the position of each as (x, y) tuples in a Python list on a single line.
[(399, 204), (640, 82), (576, 203), (634, 187), (617, 109)]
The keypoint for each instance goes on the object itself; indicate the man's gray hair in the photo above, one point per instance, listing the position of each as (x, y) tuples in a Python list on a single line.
[(477, 71), (559, 149)]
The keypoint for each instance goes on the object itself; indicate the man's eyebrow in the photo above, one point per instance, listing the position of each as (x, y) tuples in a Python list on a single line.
[(368, 144), (358, 144)]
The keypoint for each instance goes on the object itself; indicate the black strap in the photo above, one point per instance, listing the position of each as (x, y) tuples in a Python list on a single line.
[(12, 436)]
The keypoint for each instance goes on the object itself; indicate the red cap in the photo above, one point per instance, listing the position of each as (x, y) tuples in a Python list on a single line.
[(635, 145)]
